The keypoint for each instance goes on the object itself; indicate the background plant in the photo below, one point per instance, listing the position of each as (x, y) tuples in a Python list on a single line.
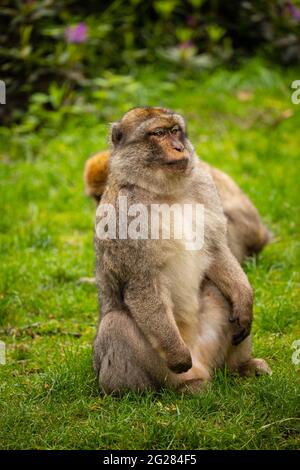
[(57, 53), (72, 67)]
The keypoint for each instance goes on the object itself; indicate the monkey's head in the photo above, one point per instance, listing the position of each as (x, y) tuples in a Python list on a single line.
[(150, 149)]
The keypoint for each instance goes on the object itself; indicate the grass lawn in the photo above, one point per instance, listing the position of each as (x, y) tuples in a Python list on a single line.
[(242, 122)]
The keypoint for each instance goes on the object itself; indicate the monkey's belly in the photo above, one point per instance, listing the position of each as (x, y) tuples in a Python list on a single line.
[(185, 271)]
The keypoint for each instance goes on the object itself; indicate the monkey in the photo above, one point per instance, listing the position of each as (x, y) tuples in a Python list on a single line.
[(95, 174), (158, 329)]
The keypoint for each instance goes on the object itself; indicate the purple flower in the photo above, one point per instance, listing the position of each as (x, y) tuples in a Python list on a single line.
[(293, 11), (77, 33), (186, 45)]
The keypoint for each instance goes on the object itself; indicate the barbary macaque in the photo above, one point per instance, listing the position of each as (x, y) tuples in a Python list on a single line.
[(170, 315)]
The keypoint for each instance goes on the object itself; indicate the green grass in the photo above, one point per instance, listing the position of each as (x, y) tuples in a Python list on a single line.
[(48, 394)]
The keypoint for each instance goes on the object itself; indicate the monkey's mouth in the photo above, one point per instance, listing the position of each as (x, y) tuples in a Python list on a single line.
[(179, 165)]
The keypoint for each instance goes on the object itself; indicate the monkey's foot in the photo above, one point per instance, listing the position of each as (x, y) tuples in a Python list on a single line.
[(193, 386), (254, 366)]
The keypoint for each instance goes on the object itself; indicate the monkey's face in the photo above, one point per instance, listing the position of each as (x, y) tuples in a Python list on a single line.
[(167, 141), (151, 143)]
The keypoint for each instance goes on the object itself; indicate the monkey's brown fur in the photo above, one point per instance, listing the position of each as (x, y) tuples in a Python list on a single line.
[(131, 354), (95, 174)]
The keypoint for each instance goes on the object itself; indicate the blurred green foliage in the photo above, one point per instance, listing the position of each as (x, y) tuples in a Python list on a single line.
[(240, 121), (51, 49)]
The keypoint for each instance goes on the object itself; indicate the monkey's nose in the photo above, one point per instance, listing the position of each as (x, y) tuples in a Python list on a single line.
[(177, 145)]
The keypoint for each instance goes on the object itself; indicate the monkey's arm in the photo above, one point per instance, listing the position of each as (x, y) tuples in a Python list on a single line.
[(230, 278), (151, 308)]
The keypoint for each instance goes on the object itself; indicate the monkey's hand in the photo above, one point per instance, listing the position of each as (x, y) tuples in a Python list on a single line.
[(180, 361), (241, 314)]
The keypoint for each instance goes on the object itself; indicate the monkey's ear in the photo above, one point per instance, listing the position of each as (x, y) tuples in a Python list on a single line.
[(116, 133)]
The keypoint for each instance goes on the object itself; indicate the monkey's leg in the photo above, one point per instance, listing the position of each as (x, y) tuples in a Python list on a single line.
[(213, 348), (124, 359), (197, 378), (240, 360), (214, 331)]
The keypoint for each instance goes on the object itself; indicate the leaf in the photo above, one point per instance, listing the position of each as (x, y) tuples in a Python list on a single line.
[(165, 8)]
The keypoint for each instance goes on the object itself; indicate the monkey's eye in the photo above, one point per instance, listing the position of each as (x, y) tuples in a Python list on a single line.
[(159, 132), (174, 130)]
